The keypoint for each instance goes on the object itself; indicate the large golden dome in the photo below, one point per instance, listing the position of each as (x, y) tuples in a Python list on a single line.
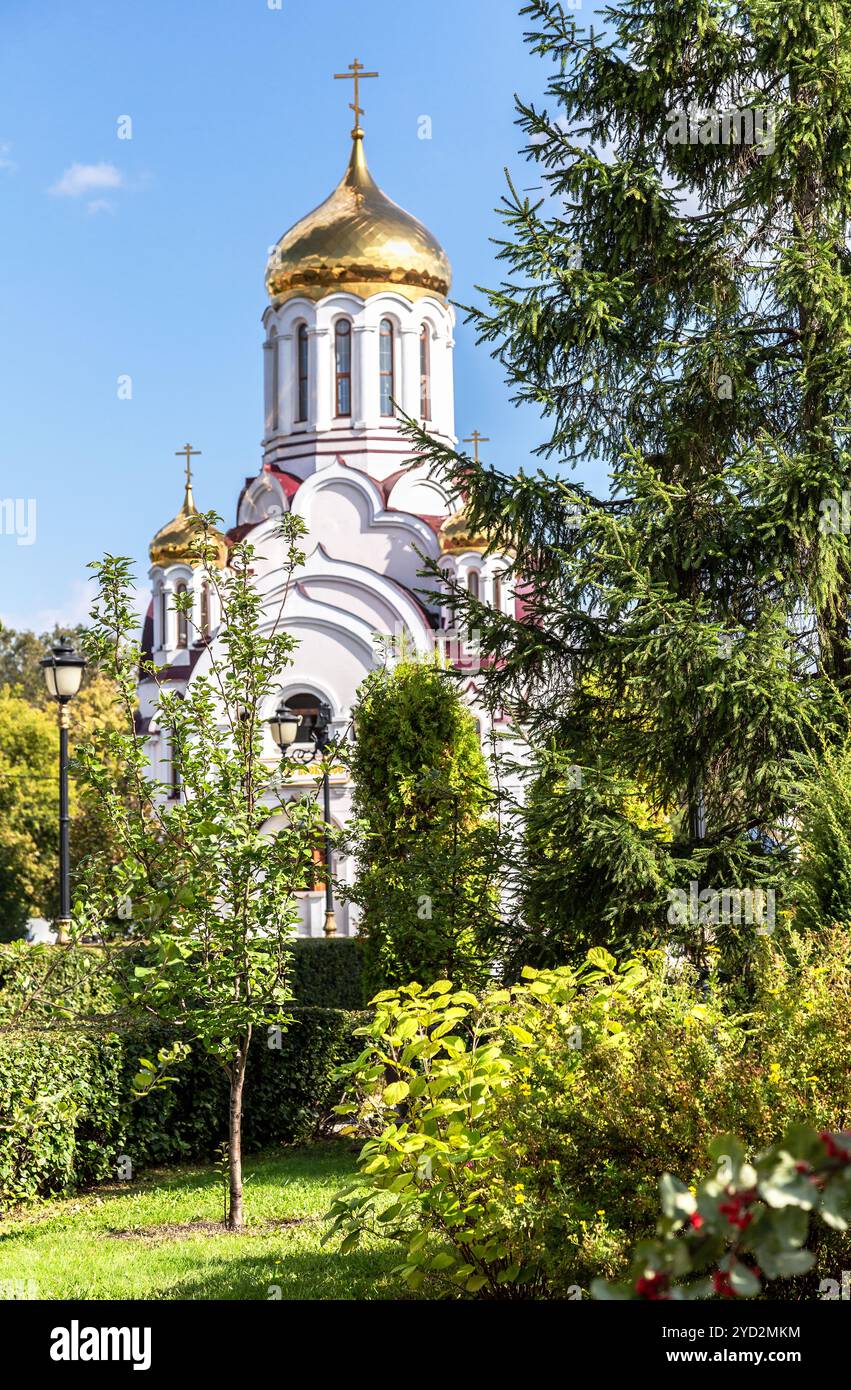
[(176, 543), (357, 240)]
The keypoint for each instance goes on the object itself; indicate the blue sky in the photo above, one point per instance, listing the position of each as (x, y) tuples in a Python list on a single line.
[(156, 271)]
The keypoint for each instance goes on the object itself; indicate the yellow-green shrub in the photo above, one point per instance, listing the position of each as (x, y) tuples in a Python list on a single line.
[(514, 1143)]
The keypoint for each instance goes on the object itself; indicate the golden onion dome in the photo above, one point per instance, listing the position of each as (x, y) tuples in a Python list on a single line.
[(456, 535), (176, 543), (358, 240)]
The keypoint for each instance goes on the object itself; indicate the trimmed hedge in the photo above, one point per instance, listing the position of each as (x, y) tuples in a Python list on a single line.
[(327, 973), (289, 1090), (67, 1112), (60, 1112), (66, 1105)]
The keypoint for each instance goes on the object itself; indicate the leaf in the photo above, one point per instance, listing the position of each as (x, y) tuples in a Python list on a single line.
[(836, 1203), (743, 1282), (599, 957), (443, 1261), (395, 1092), (677, 1202)]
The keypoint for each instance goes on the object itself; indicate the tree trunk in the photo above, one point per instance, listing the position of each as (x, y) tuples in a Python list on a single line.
[(237, 1085)]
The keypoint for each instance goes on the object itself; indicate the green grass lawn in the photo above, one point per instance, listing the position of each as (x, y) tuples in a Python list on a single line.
[(135, 1240)]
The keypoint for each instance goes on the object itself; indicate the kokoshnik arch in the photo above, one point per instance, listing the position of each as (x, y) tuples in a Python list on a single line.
[(358, 324)]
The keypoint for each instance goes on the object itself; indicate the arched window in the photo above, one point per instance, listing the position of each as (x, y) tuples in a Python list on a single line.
[(497, 592), (314, 879), (163, 618), (386, 368), (308, 707), (182, 620), (343, 365), (473, 586), (425, 372), (205, 608), (303, 365)]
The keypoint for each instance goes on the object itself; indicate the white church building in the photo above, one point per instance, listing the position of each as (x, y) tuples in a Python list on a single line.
[(357, 325)]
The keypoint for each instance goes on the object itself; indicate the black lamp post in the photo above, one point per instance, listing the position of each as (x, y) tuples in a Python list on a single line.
[(285, 724), (63, 672)]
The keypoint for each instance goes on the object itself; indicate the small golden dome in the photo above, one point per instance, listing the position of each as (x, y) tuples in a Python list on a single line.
[(177, 541), (457, 535), (358, 240)]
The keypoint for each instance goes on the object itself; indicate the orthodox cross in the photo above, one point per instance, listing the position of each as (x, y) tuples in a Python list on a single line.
[(358, 73), (188, 452), (476, 439)]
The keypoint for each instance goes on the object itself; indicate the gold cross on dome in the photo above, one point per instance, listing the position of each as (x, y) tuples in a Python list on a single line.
[(358, 73), (476, 439), (188, 453)]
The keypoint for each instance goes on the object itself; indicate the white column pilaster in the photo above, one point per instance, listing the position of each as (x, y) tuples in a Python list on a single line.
[(408, 391), (321, 379), (269, 386), (366, 403)]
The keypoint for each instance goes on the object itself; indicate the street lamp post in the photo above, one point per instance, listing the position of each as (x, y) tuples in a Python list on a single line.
[(285, 724), (63, 672)]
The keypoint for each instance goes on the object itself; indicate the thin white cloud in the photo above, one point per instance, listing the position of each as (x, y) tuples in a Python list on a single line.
[(76, 608), (100, 205), (79, 180), (7, 164)]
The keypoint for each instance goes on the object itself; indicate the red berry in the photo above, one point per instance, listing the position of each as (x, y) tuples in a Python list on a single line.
[(736, 1211), (653, 1286), (721, 1284), (834, 1150), (696, 1220)]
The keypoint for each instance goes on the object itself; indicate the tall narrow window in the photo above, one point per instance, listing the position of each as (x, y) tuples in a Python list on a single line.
[(388, 385), (182, 620), (343, 361), (163, 618), (205, 608), (497, 592), (303, 349), (473, 584), (425, 372)]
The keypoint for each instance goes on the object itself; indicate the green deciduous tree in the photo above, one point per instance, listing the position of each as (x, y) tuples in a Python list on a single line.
[(425, 843), (212, 893)]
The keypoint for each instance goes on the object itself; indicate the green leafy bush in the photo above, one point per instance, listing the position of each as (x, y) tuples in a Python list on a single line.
[(514, 1143), (424, 842), (745, 1223)]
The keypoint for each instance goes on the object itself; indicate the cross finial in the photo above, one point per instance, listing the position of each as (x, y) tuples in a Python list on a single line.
[(188, 453), (476, 439), (358, 73)]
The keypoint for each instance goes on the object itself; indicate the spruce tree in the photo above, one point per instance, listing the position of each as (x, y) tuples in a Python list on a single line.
[(677, 305)]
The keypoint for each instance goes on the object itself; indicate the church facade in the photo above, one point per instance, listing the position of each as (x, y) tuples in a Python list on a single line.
[(358, 326)]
